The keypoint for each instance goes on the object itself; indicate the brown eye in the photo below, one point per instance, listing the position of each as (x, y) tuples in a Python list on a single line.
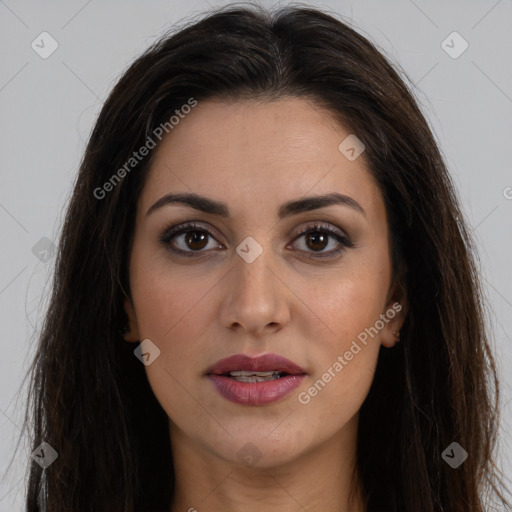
[(317, 241), (196, 240), (192, 240), (189, 240), (317, 237)]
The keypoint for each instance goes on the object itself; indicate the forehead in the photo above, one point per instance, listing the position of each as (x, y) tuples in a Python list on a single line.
[(250, 153)]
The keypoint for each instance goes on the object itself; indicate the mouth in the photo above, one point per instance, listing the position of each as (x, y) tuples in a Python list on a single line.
[(243, 376), (265, 367), (255, 380)]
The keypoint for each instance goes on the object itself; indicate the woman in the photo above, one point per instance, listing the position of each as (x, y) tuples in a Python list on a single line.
[(265, 296)]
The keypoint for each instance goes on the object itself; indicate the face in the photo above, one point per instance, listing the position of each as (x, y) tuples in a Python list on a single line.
[(298, 289)]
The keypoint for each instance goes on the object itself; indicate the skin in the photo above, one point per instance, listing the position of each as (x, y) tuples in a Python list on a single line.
[(255, 156)]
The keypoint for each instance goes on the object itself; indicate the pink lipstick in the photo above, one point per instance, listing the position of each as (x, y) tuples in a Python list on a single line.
[(256, 380)]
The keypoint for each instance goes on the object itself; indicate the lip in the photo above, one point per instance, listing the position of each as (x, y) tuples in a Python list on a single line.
[(255, 393), (262, 363)]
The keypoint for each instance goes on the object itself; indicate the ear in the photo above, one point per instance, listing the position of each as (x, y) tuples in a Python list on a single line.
[(395, 313), (132, 334)]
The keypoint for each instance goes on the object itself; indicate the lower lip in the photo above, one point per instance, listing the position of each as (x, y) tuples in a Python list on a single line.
[(255, 393)]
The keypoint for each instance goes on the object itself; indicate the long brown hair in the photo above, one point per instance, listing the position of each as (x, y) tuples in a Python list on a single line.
[(89, 396)]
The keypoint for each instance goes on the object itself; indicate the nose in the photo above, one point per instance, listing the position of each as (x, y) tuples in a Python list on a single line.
[(255, 299)]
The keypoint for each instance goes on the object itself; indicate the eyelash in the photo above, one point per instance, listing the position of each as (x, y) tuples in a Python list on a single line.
[(316, 228)]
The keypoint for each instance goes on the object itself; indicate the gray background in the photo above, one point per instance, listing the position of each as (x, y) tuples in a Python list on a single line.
[(48, 107)]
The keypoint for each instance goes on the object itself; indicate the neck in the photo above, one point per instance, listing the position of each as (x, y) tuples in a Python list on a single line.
[(323, 478)]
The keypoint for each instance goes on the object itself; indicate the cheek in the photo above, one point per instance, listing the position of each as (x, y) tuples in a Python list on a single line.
[(344, 303), (165, 295), (344, 365), (345, 357), (174, 313), (172, 310)]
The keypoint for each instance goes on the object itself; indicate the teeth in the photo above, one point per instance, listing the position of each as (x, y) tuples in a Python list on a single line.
[(244, 376), (243, 373)]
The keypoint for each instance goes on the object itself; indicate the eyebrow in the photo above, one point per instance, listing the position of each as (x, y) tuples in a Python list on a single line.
[(294, 207)]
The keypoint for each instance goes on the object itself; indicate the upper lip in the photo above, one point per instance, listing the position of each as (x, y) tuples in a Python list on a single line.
[(262, 363)]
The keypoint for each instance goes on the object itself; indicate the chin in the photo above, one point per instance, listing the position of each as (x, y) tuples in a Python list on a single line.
[(258, 445)]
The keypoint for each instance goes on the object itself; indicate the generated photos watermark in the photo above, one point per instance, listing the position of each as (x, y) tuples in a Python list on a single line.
[(342, 360), (138, 156)]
